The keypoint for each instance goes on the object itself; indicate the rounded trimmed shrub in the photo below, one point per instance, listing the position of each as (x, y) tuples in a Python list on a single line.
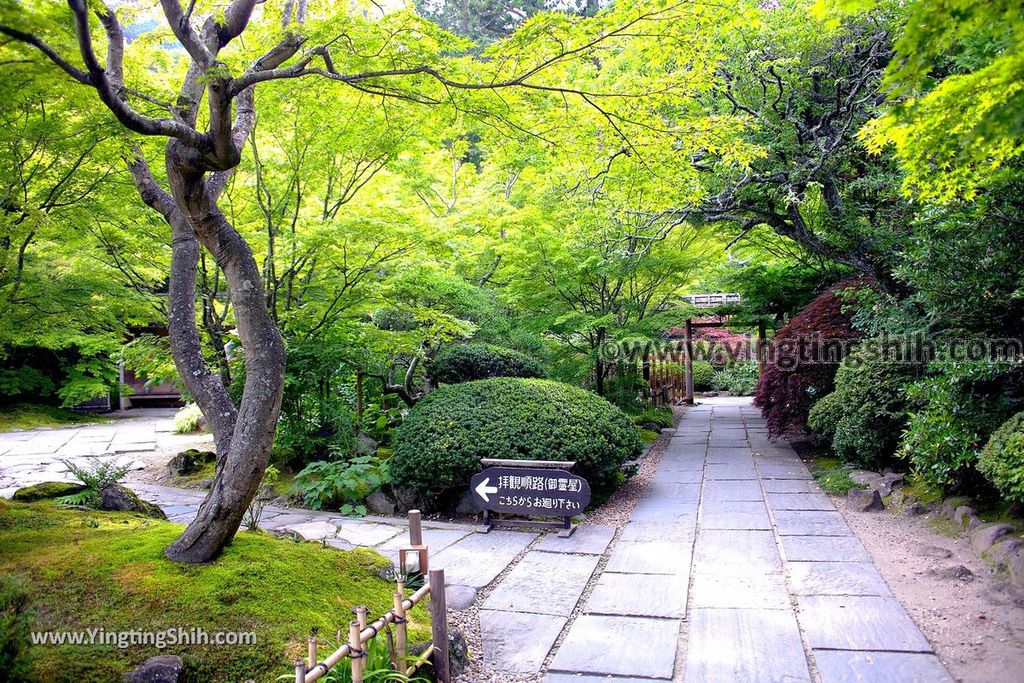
[(703, 371), (439, 445), (1002, 459), (468, 362), (739, 379)]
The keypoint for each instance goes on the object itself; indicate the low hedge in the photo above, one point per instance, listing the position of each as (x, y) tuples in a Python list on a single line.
[(1002, 459), (468, 362), (439, 445)]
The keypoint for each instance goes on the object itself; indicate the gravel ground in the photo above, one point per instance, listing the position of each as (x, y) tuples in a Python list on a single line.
[(614, 512), (975, 623)]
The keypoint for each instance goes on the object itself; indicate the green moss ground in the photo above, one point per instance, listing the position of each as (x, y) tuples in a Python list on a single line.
[(32, 415), (648, 435), (108, 570), (833, 475)]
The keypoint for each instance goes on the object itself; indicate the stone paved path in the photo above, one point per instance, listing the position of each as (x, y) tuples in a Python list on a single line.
[(733, 567)]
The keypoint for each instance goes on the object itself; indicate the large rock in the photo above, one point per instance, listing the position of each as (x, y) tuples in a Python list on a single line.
[(1003, 550), (458, 653), (1015, 567), (380, 503), (985, 535), (886, 483), (864, 477), (964, 517), (406, 498), (117, 498), (956, 572), (161, 669), (46, 490), (467, 504), (865, 500), (459, 597), (190, 461)]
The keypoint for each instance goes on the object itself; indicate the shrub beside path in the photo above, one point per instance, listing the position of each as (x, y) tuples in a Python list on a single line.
[(733, 566)]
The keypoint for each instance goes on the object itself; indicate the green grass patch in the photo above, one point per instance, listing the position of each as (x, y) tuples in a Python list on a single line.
[(833, 476), (923, 490), (108, 570), (31, 415), (648, 436), (944, 527)]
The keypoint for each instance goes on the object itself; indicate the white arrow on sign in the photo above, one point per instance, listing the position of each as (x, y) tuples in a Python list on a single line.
[(483, 489)]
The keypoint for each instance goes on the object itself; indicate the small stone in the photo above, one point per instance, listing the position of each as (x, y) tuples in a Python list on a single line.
[(459, 597), (925, 550), (865, 500), (117, 498), (962, 515), (205, 484), (954, 573), (161, 669), (380, 503), (985, 535), (914, 510), (189, 461), (651, 426), (864, 477), (1004, 549), (366, 445), (45, 490)]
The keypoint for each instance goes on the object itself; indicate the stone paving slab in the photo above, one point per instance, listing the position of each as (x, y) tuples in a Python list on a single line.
[(790, 486), (543, 583), (811, 523), (744, 645), (742, 470), (619, 646), (734, 515), (479, 558), (739, 590), (836, 578), (652, 557), (694, 476), (839, 666), (579, 678), (859, 623), (654, 531), (436, 540), (718, 550), (504, 646), (639, 595), (683, 493), (718, 490), (665, 510), (824, 549), (590, 539), (800, 501), (366, 534)]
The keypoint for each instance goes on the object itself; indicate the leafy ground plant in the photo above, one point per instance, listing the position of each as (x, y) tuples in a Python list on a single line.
[(378, 669), (341, 483), (833, 476), (188, 419), (96, 476)]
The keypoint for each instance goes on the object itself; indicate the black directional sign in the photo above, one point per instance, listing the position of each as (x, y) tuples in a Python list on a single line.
[(530, 491)]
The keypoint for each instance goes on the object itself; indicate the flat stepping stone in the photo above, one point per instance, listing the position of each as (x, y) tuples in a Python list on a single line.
[(800, 501), (721, 454), (664, 510), (504, 645), (666, 491), (836, 578), (366, 534), (436, 540), (782, 470), (619, 646), (311, 531), (740, 590), (725, 490), (478, 559), (578, 678), (285, 520), (749, 645), (859, 623), (734, 515), (839, 666), (824, 549), (639, 595), (543, 583), (591, 539), (652, 557), (810, 523), (681, 476), (719, 550)]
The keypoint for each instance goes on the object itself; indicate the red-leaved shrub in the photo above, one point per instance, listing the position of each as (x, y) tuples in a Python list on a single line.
[(802, 360)]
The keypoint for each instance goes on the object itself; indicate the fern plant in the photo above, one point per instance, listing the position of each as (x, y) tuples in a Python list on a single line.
[(96, 476)]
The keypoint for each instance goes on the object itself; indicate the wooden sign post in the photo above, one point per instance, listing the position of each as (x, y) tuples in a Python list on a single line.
[(529, 488)]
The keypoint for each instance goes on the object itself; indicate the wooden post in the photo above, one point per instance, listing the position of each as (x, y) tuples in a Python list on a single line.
[(300, 671), (415, 528), (688, 362), (361, 611), (356, 651), (439, 628), (400, 630), (311, 661), (761, 337)]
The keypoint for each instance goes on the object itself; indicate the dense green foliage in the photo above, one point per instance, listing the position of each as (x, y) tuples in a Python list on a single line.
[(703, 372), (738, 378), (1002, 458), (866, 413), (957, 407), (468, 362), (439, 445)]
